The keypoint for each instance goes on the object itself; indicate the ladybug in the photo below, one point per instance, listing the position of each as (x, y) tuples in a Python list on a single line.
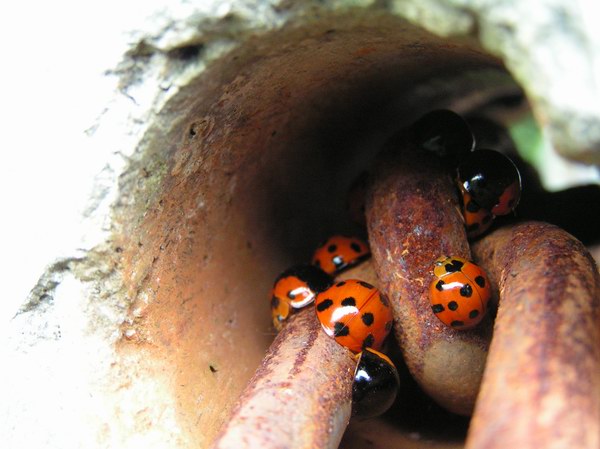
[(444, 133), (477, 219), (492, 180), (459, 292), (340, 252), (355, 313), (376, 384), (296, 288)]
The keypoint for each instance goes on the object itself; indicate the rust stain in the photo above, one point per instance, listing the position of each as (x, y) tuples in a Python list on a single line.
[(547, 337), (364, 51), (300, 358)]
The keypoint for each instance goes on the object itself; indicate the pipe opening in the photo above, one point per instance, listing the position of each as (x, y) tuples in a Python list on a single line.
[(254, 168)]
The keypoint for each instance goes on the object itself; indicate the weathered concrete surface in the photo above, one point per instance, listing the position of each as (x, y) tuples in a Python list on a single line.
[(551, 47), (83, 370)]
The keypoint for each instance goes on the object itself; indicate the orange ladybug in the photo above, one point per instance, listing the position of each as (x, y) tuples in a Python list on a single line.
[(355, 313), (295, 288), (340, 252), (459, 292)]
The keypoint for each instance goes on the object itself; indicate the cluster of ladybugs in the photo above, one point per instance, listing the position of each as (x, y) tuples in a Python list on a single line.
[(353, 312), (356, 314), (489, 184), (488, 181)]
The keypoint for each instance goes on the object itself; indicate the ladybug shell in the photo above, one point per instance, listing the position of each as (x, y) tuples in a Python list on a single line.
[(459, 292), (492, 179), (340, 252), (444, 133), (296, 288), (509, 199), (355, 313), (477, 219), (375, 386)]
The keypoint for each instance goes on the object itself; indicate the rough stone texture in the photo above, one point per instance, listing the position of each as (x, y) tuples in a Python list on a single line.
[(94, 359)]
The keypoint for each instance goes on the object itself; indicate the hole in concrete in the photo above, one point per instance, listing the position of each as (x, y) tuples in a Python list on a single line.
[(186, 52), (254, 167)]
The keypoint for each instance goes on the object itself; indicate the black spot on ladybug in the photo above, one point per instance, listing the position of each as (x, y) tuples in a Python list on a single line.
[(480, 280), (457, 323), (337, 261), (340, 329), (384, 300), (212, 369), (466, 291), (473, 314), (366, 285), (388, 326), (368, 342), (472, 206), (332, 248), (324, 305), (454, 266), (274, 302), (486, 219), (453, 305), (355, 247), (340, 284), (367, 318), (350, 301), (440, 285), (437, 308)]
